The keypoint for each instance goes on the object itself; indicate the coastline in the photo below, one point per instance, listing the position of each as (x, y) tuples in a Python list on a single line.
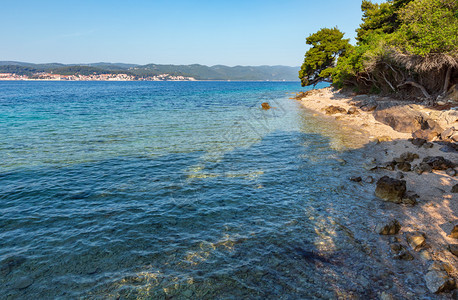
[(436, 210)]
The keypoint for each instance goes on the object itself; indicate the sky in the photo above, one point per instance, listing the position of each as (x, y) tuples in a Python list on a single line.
[(235, 32)]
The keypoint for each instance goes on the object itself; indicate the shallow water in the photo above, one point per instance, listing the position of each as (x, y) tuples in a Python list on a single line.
[(178, 190)]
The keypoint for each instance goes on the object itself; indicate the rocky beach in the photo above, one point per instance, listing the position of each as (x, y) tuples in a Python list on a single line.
[(409, 164)]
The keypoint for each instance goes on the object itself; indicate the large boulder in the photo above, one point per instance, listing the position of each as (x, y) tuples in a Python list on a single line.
[(390, 189), (401, 118)]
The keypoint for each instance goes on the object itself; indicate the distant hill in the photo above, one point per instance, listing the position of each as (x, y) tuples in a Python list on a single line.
[(200, 72)]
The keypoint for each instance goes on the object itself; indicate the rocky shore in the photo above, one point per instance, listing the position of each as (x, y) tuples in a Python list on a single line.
[(410, 163)]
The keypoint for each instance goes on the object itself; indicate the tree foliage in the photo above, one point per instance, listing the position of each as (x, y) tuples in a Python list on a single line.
[(327, 45), (404, 47)]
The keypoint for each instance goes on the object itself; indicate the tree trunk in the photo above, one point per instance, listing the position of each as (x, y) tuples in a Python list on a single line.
[(447, 80), (422, 88)]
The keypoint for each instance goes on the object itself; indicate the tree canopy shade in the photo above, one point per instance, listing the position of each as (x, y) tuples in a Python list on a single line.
[(327, 45)]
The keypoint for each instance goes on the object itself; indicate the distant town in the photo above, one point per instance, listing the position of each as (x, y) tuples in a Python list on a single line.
[(93, 77)]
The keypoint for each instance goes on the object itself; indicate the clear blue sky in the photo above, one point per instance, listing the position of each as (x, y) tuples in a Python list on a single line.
[(235, 32)]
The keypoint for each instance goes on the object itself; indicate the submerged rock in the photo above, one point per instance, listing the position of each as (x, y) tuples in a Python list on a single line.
[(437, 279), (408, 156), (410, 198), (8, 264), (265, 105), (404, 166), (23, 283), (422, 168), (416, 240), (400, 252), (390, 189), (369, 179), (438, 162), (356, 178), (390, 228), (388, 165)]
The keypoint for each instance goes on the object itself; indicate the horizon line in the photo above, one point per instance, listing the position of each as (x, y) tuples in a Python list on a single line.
[(135, 64)]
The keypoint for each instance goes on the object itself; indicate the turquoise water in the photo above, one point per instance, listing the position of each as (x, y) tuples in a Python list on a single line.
[(183, 190)]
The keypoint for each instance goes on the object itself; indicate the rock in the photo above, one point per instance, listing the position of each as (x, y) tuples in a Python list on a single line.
[(422, 168), (410, 198), (416, 240), (352, 111), (454, 294), (440, 103), (426, 134), (23, 283), (369, 106), (425, 255), (408, 157), (433, 125), (453, 248), (369, 179), (388, 165), (404, 255), (438, 163), (384, 138), (404, 166), (454, 189), (451, 172), (454, 233), (452, 93), (187, 293), (332, 109), (399, 175), (447, 133), (390, 189), (438, 281), (396, 247), (390, 228), (428, 145), (355, 179), (454, 137), (418, 142), (386, 296), (265, 105), (400, 118), (9, 263)]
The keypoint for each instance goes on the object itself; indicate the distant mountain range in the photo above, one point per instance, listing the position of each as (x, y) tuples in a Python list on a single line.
[(199, 72)]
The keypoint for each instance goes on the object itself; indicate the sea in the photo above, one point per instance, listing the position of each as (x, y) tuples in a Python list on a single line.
[(179, 190)]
